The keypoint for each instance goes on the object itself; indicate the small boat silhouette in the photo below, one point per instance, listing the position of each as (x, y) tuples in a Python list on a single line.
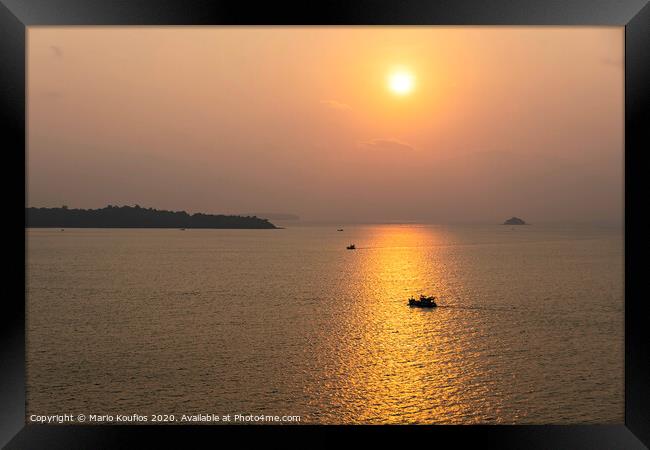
[(340, 229), (423, 302), (351, 247)]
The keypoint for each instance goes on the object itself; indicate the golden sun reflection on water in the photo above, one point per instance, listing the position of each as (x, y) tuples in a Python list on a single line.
[(529, 329), (404, 364)]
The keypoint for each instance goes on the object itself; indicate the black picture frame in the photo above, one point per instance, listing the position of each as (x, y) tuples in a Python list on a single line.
[(16, 15)]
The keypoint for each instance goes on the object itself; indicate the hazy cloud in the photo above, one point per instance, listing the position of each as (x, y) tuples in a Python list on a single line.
[(56, 51), (387, 144), (333, 104)]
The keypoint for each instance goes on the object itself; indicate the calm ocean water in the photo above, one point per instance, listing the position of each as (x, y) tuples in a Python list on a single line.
[(289, 322)]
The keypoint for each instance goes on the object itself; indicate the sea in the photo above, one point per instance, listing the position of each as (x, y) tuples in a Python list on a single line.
[(289, 324)]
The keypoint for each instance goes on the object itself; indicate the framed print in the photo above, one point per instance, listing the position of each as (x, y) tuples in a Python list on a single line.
[(334, 219)]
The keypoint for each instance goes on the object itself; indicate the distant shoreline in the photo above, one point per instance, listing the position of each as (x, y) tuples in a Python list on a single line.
[(137, 217), (30, 227)]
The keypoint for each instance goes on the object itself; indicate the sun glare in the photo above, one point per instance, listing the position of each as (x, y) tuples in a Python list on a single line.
[(401, 83)]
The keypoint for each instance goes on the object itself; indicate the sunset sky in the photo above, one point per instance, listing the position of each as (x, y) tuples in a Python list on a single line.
[(368, 124)]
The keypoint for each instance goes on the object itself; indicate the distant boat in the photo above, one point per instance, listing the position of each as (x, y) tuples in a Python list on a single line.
[(182, 229), (423, 302), (340, 229), (351, 247)]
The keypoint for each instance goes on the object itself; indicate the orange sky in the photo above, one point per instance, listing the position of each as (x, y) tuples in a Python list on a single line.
[(502, 121)]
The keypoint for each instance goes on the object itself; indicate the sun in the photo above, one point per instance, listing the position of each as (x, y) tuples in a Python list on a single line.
[(401, 82)]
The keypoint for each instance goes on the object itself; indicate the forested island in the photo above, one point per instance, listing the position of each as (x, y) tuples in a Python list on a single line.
[(135, 217), (274, 216), (514, 221)]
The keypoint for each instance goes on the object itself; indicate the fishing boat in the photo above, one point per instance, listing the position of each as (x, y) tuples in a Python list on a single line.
[(423, 302), (351, 247)]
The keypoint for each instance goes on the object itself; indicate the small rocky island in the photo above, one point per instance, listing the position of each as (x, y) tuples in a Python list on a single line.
[(514, 221), (136, 217)]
